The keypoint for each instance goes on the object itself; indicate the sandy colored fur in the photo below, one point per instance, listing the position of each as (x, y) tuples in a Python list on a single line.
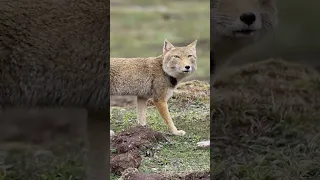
[(149, 78), (136, 76)]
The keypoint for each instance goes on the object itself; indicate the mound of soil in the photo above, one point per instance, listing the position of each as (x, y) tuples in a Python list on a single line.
[(121, 162), (134, 174), (128, 146), (138, 137), (192, 91)]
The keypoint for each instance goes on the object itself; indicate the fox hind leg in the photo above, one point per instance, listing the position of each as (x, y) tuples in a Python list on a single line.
[(142, 110)]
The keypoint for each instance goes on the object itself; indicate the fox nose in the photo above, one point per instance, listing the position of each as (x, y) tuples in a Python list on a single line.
[(248, 18), (187, 67)]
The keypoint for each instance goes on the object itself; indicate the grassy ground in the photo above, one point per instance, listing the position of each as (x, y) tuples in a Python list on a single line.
[(138, 28), (266, 124), (59, 159), (189, 108)]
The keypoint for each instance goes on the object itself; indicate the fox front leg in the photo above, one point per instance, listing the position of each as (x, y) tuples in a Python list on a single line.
[(162, 107)]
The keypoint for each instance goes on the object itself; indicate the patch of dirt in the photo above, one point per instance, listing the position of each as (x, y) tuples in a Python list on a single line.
[(135, 138), (128, 146), (121, 162), (134, 174)]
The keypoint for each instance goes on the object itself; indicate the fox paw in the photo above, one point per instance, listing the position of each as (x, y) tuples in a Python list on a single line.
[(179, 133)]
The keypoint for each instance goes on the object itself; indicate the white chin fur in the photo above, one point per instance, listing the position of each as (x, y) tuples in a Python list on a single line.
[(186, 72), (243, 35)]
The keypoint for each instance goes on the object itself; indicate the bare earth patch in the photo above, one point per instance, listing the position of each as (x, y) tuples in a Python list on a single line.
[(127, 146)]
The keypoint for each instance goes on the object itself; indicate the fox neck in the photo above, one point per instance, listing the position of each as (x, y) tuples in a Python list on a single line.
[(174, 78), (173, 81), (225, 48)]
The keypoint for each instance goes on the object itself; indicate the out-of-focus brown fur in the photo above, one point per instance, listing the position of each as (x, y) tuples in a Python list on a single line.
[(55, 53)]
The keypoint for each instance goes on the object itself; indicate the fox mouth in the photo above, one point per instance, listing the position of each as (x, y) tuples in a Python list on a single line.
[(244, 33), (186, 71)]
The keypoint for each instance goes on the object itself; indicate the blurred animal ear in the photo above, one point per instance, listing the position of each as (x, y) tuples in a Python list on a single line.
[(193, 45), (167, 46)]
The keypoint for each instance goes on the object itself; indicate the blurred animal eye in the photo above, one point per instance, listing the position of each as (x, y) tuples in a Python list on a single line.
[(189, 56), (176, 56)]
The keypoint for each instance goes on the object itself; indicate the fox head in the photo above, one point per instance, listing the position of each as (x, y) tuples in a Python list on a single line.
[(244, 19), (179, 62)]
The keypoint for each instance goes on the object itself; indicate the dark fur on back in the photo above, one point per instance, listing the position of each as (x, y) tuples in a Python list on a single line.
[(54, 53)]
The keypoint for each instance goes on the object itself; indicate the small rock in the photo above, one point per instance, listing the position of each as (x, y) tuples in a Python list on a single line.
[(203, 144)]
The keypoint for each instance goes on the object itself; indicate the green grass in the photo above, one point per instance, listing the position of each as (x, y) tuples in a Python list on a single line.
[(59, 159), (181, 156), (138, 28)]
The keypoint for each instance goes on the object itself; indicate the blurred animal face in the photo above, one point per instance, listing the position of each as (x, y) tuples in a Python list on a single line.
[(244, 18), (179, 62)]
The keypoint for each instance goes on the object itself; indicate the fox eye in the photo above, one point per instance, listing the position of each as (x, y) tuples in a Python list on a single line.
[(189, 56), (176, 56)]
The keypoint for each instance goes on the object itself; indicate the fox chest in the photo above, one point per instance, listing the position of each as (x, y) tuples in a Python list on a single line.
[(169, 94)]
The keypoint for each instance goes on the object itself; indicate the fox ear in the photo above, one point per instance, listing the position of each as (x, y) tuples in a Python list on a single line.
[(167, 46), (193, 45)]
